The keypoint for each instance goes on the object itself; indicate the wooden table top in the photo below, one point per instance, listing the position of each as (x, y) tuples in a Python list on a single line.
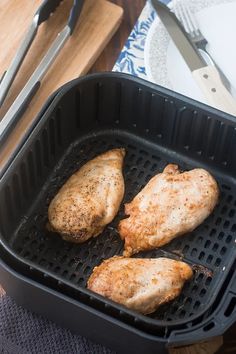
[(106, 62)]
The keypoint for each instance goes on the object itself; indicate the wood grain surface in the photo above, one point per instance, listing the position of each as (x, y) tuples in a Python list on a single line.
[(105, 62), (209, 347)]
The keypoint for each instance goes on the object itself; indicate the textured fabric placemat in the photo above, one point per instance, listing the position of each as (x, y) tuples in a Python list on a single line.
[(23, 332)]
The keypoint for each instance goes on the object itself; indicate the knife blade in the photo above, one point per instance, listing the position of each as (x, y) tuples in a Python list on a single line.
[(206, 76)]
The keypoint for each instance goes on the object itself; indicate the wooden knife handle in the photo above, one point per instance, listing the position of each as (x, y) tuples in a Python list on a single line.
[(208, 79)]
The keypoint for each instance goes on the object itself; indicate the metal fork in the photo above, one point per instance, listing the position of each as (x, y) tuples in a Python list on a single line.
[(190, 24)]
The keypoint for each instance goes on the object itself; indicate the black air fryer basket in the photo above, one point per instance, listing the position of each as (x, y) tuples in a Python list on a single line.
[(156, 126)]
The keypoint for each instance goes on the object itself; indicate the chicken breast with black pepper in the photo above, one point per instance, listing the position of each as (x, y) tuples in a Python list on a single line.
[(140, 284), (170, 205), (90, 198)]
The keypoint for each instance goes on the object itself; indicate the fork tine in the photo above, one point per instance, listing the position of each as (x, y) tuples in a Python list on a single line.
[(186, 13), (190, 24), (181, 18), (193, 20)]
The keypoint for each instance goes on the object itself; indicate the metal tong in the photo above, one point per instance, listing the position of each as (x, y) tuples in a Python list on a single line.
[(24, 97)]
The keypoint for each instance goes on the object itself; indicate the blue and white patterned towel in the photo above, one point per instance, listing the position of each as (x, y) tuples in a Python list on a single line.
[(131, 59)]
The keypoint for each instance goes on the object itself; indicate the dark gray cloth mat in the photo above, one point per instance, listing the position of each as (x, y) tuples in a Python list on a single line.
[(23, 332)]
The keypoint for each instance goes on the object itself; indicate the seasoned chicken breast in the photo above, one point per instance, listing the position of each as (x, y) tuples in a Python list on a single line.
[(170, 205), (140, 284), (90, 198)]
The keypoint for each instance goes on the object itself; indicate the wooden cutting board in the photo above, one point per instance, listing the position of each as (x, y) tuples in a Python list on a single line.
[(98, 22)]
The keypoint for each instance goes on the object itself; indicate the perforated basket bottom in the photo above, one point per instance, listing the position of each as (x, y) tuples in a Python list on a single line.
[(210, 248)]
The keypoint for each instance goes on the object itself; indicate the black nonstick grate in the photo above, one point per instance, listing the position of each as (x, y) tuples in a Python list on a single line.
[(207, 248)]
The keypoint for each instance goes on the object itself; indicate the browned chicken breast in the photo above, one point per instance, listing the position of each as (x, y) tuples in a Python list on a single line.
[(170, 205), (140, 284), (90, 198)]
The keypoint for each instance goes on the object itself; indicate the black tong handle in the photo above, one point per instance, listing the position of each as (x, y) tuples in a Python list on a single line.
[(49, 6), (45, 10)]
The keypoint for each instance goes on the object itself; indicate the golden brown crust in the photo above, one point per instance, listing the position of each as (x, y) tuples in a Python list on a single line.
[(170, 205), (139, 284), (90, 198)]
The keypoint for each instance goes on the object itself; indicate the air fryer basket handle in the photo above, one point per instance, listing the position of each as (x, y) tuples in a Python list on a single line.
[(220, 320)]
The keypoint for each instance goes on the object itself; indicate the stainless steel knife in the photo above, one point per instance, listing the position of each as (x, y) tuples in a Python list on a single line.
[(206, 76)]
